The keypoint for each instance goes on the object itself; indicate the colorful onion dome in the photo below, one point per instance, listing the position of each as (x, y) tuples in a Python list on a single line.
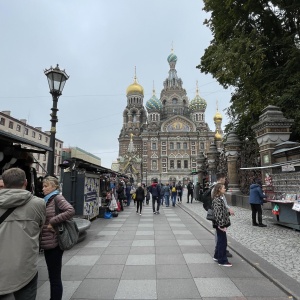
[(172, 58), (218, 117), (135, 87), (218, 136), (197, 103), (153, 103)]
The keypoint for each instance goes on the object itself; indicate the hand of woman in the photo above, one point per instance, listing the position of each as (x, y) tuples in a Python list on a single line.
[(223, 229), (50, 227)]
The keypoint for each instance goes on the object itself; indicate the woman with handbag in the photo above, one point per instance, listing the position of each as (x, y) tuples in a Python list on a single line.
[(221, 223), (49, 242)]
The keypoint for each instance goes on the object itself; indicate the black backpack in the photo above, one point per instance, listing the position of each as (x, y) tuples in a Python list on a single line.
[(207, 200)]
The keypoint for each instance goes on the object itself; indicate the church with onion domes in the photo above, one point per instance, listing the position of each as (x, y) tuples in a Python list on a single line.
[(163, 137)]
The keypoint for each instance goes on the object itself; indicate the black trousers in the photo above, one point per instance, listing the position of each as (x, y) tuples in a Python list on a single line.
[(155, 199), (139, 205), (256, 209), (53, 259)]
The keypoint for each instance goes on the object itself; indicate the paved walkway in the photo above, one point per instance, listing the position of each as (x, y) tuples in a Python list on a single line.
[(166, 256)]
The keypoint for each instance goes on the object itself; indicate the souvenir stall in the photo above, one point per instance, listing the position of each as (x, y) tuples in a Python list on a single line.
[(84, 185), (282, 188)]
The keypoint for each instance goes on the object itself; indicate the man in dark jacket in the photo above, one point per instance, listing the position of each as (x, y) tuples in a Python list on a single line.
[(190, 191), (256, 200), (155, 191)]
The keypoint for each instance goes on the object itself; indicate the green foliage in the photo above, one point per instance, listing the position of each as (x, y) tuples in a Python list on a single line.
[(256, 50)]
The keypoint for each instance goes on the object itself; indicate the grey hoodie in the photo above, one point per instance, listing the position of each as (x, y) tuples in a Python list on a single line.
[(19, 236)]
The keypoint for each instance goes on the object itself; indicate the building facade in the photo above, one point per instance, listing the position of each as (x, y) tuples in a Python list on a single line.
[(20, 128), (164, 138)]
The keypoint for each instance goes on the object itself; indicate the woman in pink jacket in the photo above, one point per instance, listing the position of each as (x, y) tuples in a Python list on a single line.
[(53, 254)]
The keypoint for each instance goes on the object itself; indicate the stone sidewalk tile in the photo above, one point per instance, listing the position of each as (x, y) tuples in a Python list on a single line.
[(168, 256)]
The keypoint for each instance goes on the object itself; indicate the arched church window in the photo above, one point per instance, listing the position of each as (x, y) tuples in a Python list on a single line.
[(171, 164), (202, 117), (174, 101), (134, 120), (171, 146), (178, 164)]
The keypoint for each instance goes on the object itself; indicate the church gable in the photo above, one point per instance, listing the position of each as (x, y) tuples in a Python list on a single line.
[(178, 124)]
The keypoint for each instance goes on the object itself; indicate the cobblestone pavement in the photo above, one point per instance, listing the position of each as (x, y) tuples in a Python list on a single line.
[(278, 245)]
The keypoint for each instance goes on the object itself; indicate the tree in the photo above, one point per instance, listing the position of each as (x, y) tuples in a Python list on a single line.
[(256, 50)]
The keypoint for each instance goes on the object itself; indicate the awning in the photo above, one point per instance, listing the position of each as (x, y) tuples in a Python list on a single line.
[(285, 163), (11, 138)]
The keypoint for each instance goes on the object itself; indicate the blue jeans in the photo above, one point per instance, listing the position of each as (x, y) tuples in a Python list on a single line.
[(173, 198), (27, 292), (53, 259), (128, 198), (167, 200), (220, 251)]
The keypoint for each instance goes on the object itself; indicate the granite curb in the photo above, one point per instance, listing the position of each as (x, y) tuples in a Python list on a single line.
[(279, 278)]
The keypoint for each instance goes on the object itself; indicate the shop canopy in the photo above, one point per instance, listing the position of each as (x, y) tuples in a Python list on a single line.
[(295, 162)]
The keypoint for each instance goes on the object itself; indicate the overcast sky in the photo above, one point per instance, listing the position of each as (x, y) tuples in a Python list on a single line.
[(98, 43)]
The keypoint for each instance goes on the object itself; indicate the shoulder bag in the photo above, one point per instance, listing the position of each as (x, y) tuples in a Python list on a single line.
[(210, 215), (6, 214), (67, 232)]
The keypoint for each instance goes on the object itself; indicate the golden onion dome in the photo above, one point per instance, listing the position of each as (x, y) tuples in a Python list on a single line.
[(135, 87), (218, 136), (218, 117)]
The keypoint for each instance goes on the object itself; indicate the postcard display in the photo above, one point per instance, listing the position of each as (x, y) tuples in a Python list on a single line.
[(83, 188), (283, 191)]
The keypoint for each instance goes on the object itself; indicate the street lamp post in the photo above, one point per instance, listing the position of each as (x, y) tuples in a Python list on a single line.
[(56, 80)]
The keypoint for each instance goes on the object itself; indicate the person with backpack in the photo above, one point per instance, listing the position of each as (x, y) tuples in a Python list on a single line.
[(162, 193), (155, 191), (173, 194), (207, 200), (167, 194), (179, 189), (190, 190)]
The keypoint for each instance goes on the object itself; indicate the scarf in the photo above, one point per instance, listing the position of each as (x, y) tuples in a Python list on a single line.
[(47, 197)]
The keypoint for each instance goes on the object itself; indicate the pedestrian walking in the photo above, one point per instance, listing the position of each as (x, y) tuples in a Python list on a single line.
[(173, 194), (162, 194), (49, 243), (19, 236), (121, 195), (167, 194), (256, 200), (140, 196), (190, 191), (221, 223), (179, 190), (155, 191)]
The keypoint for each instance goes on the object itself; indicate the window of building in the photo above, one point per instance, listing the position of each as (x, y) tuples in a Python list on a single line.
[(201, 145), (18, 128), (33, 134), (164, 153), (11, 125), (26, 131), (44, 157), (37, 168), (184, 145), (193, 152), (59, 145), (178, 164), (40, 136), (178, 146), (163, 148), (171, 164), (154, 147), (2, 121), (172, 146), (186, 164), (154, 165), (46, 139), (193, 147), (174, 101)]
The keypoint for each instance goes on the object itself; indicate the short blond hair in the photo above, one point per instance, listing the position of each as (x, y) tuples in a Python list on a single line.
[(52, 181)]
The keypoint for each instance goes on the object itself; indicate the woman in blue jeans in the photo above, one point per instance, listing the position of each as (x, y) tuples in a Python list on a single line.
[(221, 223)]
